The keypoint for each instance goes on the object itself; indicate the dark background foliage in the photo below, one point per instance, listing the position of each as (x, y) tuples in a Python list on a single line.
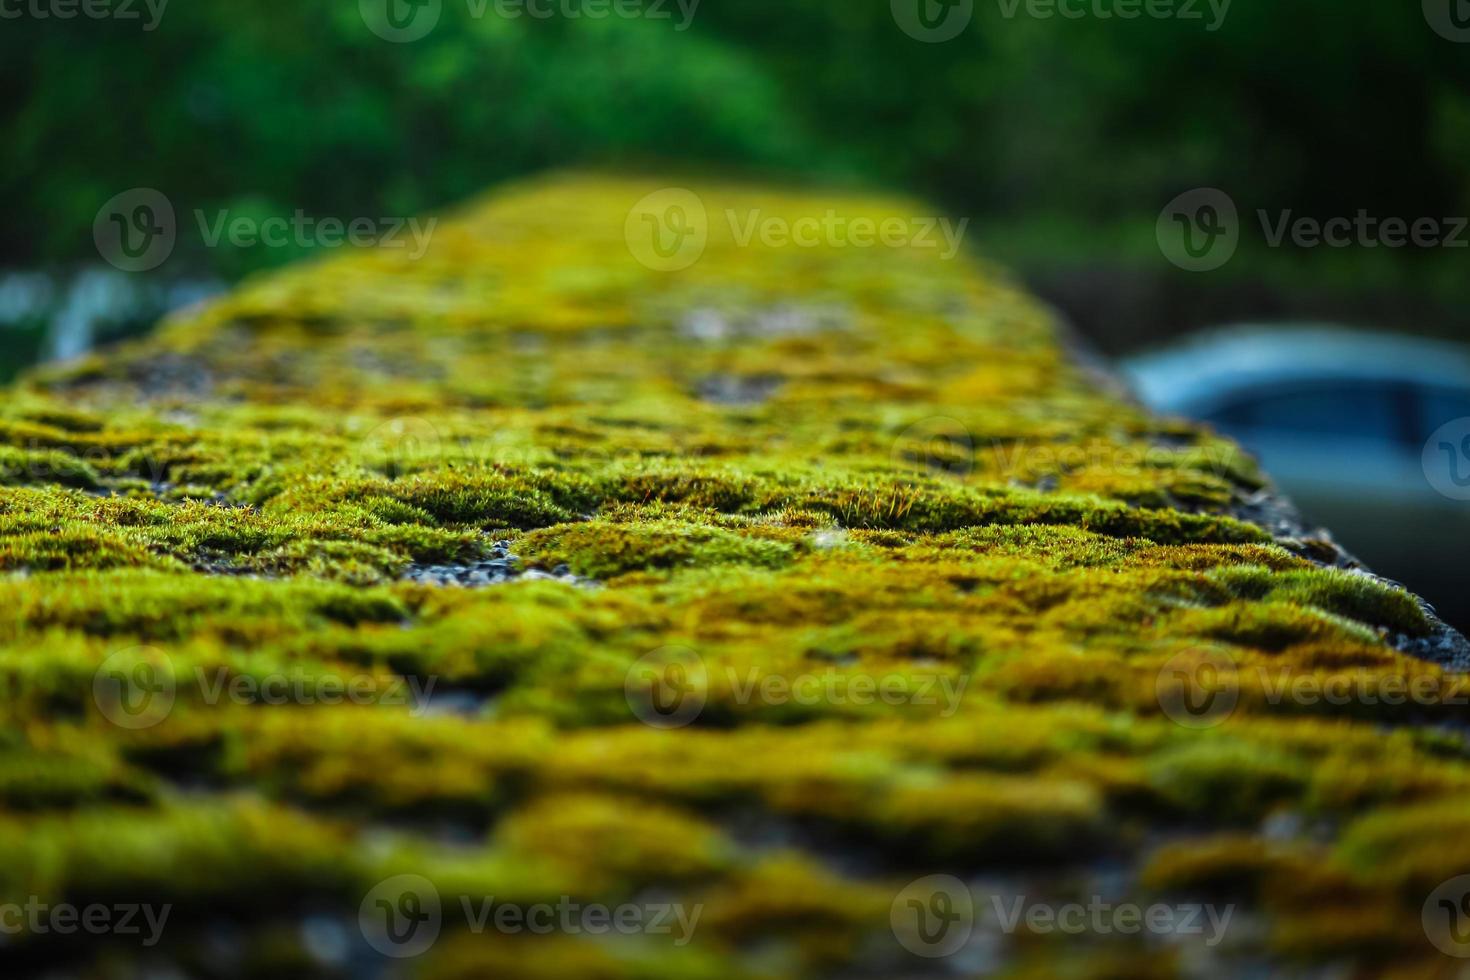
[(1061, 139)]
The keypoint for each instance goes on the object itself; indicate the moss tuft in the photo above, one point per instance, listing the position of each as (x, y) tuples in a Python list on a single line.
[(602, 550)]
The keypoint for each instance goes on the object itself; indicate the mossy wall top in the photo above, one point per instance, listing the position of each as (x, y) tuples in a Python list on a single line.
[(765, 586)]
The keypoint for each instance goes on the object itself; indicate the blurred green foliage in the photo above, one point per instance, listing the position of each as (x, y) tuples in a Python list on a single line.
[(1082, 127)]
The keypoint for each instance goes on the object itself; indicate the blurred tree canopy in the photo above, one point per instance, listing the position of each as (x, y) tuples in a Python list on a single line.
[(1322, 106)]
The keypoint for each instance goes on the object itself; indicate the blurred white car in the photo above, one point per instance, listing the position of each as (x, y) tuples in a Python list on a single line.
[(1368, 433)]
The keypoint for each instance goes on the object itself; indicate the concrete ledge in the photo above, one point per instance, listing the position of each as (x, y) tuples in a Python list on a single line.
[(788, 593)]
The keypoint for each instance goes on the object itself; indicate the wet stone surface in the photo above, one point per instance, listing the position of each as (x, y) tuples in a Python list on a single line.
[(500, 566), (786, 320), (733, 389), (1270, 510)]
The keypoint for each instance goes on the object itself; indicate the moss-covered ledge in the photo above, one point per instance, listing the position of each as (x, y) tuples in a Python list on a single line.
[(764, 588)]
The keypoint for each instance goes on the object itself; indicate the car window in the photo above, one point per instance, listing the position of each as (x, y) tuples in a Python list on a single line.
[(1438, 406), (1367, 411)]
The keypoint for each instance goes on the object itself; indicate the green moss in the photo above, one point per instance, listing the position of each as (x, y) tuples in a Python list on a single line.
[(1228, 782), (996, 819), (601, 550), (19, 467), (631, 841), (1354, 596), (32, 778)]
